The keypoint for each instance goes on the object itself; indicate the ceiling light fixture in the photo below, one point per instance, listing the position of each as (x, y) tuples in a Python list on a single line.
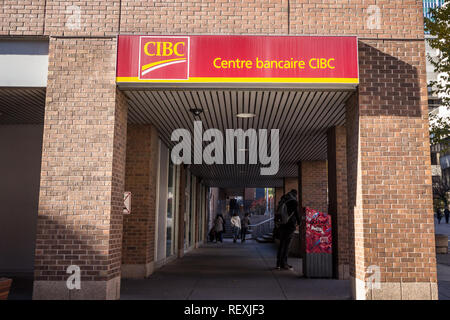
[(246, 115), (196, 111)]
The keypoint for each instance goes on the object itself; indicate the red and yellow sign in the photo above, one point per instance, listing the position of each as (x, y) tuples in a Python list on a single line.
[(237, 59)]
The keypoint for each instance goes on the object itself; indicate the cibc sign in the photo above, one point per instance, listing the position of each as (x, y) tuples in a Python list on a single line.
[(237, 59), (163, 58)]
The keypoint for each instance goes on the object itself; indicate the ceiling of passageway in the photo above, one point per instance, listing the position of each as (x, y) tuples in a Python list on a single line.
[(302, 116), (22, 105)]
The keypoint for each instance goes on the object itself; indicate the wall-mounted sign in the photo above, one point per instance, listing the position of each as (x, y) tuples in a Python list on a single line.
[(237, 59), (127, 202)]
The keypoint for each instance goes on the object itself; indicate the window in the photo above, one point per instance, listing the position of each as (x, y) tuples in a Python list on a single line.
[(171, 210)]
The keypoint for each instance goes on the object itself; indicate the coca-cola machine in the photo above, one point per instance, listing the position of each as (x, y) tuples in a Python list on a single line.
[(318, 259)]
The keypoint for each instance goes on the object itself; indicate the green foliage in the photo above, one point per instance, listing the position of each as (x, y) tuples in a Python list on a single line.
[(439, 27), (440, 131)]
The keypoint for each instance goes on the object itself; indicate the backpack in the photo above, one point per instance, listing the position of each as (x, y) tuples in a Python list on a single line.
[(282, 216)]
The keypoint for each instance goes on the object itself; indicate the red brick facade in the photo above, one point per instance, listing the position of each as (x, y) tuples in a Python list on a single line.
[(83, 162), (314, 185), (290, 183), (338, 200), (141, 180)]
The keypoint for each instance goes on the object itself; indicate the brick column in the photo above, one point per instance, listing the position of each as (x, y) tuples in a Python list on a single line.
[(141, 179), (290, 183), (314, 186), (279, 191), (181, 210), (337, 206), (389, 175), (82, 172)]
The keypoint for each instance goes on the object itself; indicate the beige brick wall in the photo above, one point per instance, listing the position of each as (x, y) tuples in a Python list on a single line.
[(81, 194), (82, 18), (25, 17), (200, 16), (397, 19)]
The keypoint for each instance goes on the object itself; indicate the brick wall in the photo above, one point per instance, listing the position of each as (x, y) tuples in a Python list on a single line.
[(279, 192), (82, 18), (81, 189), (141, 181), (397, 19), (338, 202), (390, 183), (395, 156), (314, 185), (199, 16), (290, 183), (25, 17)]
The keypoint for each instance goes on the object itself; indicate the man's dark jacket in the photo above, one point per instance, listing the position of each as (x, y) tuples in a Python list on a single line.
[(292, 206)]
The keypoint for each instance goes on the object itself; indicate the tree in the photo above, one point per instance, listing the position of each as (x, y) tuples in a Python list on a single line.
[(440, 192), (439, 28)]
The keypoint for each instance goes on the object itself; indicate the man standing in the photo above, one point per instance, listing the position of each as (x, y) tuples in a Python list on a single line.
[(236, 226), (234, 207), (439, 215), (286, 218), (245, 223), (446, 214)]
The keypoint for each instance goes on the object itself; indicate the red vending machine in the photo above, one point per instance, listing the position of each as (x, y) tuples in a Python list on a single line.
[(319, 261)]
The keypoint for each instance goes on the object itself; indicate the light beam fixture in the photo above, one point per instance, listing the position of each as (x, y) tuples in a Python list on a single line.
[(246, 115)]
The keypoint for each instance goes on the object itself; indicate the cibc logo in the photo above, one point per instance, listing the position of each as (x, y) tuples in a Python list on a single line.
[(164, 58)]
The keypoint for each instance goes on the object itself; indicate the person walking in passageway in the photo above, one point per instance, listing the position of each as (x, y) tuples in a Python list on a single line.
[(446, 214), (218, 227), (236, 225), (234, 207), (244, 226), (286, 219), (438, 215)]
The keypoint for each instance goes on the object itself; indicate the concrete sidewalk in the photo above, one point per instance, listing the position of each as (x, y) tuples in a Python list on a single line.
[(231, 271)]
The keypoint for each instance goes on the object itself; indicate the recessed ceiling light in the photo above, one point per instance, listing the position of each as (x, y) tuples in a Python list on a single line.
[(196, 111), (246, 115)]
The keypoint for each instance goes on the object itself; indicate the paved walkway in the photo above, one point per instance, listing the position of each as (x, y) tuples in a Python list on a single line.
[(443, 260), (231, 271)]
